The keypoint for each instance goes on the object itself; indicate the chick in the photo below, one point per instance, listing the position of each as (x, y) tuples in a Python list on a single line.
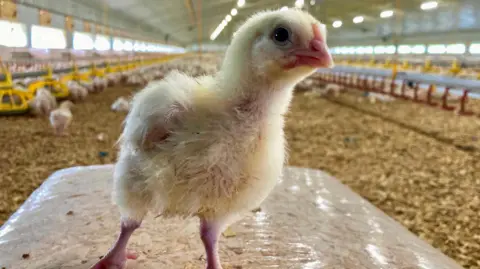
[(77, 91), (61, 117), (214, 147), (121, 104), (43, 102)]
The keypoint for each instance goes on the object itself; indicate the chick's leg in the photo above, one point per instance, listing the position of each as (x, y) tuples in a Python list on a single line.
[(118, 254), (210, 232)]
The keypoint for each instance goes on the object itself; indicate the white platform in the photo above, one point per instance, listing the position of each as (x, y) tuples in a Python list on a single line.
[(310, 221)]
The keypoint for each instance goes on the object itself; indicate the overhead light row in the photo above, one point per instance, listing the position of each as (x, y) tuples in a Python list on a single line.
[(387, 14), (228, 18)]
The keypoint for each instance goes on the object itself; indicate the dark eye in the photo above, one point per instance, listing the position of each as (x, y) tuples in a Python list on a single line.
[(281, 36)]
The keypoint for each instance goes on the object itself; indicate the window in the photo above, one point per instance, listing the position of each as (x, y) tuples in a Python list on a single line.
[(404, 49), (390, 49), (117, 44), (48, 38), (127, 45), (364, 50), (418, 49), (349, 50), (456, 49), (13, 34), (475, 48), (139, 46), (437, 49), (379, 49), (82, 41), (102, 43)]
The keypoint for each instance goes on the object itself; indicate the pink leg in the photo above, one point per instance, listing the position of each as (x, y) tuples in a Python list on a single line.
[(210, 232), (118, 255)]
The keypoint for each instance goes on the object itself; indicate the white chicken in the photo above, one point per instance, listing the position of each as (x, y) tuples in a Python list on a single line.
[(99, 84), (334, 89), (121, 104), (214, 147), (43, 102), (77, 91), (61, 117)]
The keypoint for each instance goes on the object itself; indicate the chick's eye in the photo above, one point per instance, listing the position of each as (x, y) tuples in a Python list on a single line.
[(281, 36)]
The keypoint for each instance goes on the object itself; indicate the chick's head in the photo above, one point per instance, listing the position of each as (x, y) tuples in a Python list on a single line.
[(284, 44)]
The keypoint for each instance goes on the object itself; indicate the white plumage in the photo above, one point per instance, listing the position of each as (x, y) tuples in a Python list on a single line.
[(214, 146), (61, 117), (121, 104), (43, 102)]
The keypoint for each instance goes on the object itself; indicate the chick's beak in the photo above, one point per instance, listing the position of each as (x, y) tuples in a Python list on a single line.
[(317, 55)]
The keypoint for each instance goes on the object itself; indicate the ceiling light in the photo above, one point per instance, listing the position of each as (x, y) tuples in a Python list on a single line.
[(312, 2), (228, 18), (358, 19), (429, 5), (337, 24), (240, 3), (234, 12), (299, 3), (284, 8), (386, 14)]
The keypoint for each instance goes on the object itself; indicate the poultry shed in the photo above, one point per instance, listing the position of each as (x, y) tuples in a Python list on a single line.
[(383, 145)]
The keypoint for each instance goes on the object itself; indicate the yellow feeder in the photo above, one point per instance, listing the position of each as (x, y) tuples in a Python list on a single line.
[(388, 63), (427, 66), (455, 69), (58, 89), (371, 62), (12, 101), (405, 65)]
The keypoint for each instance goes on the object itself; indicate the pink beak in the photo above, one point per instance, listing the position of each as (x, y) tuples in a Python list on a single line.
[(318, 54)]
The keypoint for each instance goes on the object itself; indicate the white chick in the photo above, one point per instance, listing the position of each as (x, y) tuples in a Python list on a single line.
[(121, 104), (334, 89), (214, 147), (99, 84), (77, 91), (61, 118), (43, 102)]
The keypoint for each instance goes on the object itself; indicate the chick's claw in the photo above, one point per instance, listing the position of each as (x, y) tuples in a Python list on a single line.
[(115, 260)]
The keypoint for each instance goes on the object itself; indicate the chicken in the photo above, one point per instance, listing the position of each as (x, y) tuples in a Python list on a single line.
[(77, 91), (214, 146), (99, 84), (334, 89), (43, 102), (61, 117), (87, 85), (121, 104)]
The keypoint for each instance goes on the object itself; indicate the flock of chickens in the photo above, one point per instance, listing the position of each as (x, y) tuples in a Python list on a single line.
[(44, 104)]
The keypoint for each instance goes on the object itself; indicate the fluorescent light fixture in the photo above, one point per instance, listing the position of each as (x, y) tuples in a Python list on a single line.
[(337, 24), (228, 18), (299, 3), (429, 5), (312, 2), (240, 3), (386, 14), (284, 8), (358, 19), (234, 12)]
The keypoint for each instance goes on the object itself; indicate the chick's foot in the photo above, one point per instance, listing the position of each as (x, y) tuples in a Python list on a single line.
[(115, 261), (118, 255)]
